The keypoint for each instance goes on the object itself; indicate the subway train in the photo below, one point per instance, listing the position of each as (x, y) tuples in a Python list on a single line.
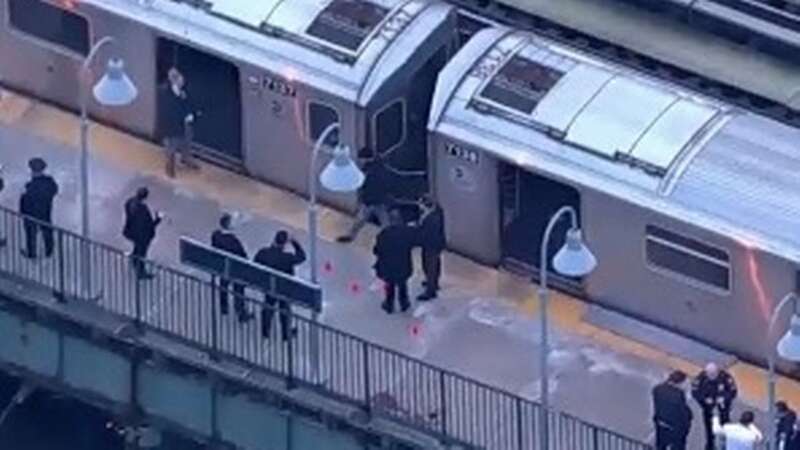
[(690, 205)]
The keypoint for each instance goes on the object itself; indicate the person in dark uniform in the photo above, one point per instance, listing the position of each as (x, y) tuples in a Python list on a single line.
[(140, 228), (373, 195), (37, 203), (224, 239), (433, 242), (177, 119), (393, 261), (784, 422), (671, 413), (714, 389), (278, 258)]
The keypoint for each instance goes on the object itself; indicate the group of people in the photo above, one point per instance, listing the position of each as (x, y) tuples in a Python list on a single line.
[(714, 390), (397, 238)]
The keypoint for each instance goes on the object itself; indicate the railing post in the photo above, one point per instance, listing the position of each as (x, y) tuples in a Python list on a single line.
[(595, 439), (367, 387), (520, 431), (443, 402), (137, 297), (290, 381), (61, 293)]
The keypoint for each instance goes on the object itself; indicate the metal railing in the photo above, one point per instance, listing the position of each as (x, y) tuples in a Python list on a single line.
[(380, 381)]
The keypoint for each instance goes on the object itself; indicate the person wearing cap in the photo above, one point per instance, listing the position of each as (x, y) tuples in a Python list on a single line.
[(714, 390), (433, 242), (743, 435), (140, 228), (226, 240), (278, 258), (671, 414), (36, 203)]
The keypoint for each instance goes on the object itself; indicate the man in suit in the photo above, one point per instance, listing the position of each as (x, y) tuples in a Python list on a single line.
[(393, 264), (671, 413), (278, 258), (432, 240), (140, 228), (224, 239), (37, 203)]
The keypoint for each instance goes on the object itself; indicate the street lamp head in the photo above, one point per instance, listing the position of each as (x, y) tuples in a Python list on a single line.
[(574, 259), (789, 345), (115, 88), (342, 174)]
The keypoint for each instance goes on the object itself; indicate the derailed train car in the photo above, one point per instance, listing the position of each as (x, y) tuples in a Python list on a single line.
[(266, 76), (691, 207)]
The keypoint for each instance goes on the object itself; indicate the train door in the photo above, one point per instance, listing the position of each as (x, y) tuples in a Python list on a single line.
[(212, 85), (528, 201)]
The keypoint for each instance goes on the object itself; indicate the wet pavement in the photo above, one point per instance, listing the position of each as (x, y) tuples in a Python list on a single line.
[(483, 326)]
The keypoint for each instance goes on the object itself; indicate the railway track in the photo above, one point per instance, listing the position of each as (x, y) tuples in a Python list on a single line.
[(507, 15)]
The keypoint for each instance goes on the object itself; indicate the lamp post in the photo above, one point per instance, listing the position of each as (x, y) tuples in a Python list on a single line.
[(340, 175), (113, 89), (788, 348), (575, 260)]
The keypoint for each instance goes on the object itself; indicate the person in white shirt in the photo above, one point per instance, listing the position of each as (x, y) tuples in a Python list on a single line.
[(743, 435)]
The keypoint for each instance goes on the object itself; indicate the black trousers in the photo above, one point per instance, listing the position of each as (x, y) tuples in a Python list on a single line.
[(669, 439), (708, 414), (397, 290), (139, 255), (32, 230), (268, 313), (238, 297), (432, 267)]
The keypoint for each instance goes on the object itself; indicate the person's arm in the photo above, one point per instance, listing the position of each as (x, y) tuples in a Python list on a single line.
[(731, 391), (757, 433), (299, 253)]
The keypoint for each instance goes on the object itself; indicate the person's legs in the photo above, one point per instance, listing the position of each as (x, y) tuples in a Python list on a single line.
[(139, 255), (267, 313), (223, 296), (170, 145), (708, 413), (362, 216), (402, 287), (286, 320), (31, 230), (662, 441), (390, 289), (49, 242), (239, 302), (432, 267)]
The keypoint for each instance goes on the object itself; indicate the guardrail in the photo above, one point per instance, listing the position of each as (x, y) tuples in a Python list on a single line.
[(380, 381)]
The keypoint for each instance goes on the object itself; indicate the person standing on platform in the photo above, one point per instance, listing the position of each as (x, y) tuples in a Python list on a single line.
[(714, 390), (278, 258), (140, 228), (177, 120), (433, 242), (224, 239), (393, 261), (37, 203), (373, 195), (743, 435), (671, 413), (784, 423)]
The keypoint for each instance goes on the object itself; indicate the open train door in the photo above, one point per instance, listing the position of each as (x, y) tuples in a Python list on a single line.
[(212, 85)]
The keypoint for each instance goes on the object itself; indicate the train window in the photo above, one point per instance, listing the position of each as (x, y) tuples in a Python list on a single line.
[(347, 23), (320, 116), (708, 266), (520, 84), (51, 24), (389, 126)]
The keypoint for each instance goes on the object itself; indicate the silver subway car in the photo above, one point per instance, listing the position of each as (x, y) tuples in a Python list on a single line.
[(267, 76), (691, 208)]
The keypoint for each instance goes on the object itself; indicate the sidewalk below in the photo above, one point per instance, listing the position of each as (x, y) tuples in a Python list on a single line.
[(485, 325)]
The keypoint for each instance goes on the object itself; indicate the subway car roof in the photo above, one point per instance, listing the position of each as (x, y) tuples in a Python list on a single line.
[(348, 48), (545, 107)]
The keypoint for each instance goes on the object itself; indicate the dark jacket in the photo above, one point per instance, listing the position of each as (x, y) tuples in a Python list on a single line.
[(670, 408), (281, 260), (431, 230), (376, 187), (784, 426), (227, 241), (722, 387), (37, 200), (140, 225), (172, 112), (393, 253)]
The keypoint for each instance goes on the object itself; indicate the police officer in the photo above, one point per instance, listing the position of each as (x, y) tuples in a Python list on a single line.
[(277, 257), (224, 239), (671, 413), (37, 203), (140, 228), (714, 389), (433, 242)]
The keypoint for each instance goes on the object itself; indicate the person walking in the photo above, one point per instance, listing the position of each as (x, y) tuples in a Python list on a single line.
[(36, 203), (177, 121), (140, 228), (373, 195), (433, 242), (743, 435), (224, 239), (278, 258), (784, 423), (393, 264), (671, 414), (714, 390)]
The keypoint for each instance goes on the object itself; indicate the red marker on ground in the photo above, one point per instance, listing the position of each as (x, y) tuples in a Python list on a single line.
[(416, 330), (327, 267), (355, 288)]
